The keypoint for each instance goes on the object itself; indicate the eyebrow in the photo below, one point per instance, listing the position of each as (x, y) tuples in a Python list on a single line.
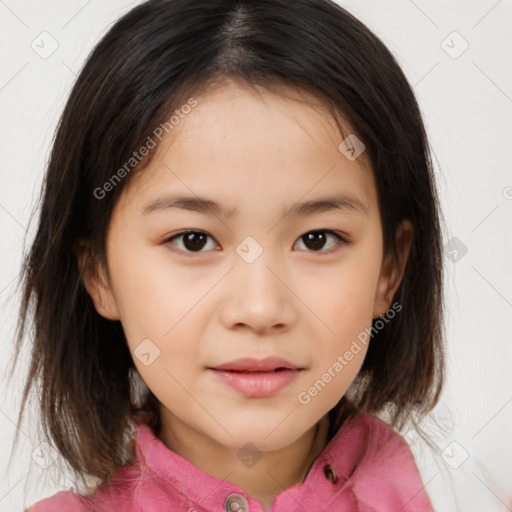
[(209, 207)]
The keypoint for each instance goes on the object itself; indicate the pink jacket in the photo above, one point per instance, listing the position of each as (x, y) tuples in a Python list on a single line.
[(366, 467)]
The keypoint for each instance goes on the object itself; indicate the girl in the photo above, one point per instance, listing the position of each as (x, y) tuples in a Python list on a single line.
[(237, 272)]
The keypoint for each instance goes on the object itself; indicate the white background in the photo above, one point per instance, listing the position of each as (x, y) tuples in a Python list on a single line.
[(467, 106)]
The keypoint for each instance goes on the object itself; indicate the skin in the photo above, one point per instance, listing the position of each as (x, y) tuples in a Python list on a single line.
[(259, 153)]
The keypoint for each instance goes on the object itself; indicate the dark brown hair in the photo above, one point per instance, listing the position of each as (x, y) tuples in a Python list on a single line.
[(146, 66)]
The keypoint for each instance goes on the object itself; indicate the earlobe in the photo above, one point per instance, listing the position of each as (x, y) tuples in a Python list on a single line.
[(95, 282), (392, 271)]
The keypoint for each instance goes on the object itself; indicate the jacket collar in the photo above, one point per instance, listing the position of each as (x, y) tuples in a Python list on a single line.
[(328, 474)]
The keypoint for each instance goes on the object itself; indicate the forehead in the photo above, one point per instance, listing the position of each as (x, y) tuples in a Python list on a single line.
[(246, 144)]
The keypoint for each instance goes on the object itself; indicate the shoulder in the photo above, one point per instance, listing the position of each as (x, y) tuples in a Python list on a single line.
[(64, 501), (374, 436), (364, 437), (117, 494), (383, 469), (379, 445)]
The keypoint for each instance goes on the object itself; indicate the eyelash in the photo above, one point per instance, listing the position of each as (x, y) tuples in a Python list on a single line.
[(341, 241)]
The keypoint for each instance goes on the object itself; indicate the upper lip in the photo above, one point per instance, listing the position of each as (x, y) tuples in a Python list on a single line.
[(252, 364)]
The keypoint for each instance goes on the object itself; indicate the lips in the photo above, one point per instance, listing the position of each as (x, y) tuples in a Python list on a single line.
[(256, 378), (270, 364)]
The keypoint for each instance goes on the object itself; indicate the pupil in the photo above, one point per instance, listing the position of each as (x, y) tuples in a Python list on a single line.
[(315, 240), (194, 241)]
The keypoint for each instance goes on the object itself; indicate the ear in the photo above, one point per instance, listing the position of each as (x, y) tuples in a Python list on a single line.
[(95, 281), (392, 271)]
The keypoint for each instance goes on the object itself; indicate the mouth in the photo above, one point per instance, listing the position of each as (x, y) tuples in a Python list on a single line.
[(258, 383), (271, 364), (256, 372), (256, 378)]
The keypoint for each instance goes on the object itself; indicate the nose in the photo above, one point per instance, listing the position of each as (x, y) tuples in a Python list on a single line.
[(258, 296)]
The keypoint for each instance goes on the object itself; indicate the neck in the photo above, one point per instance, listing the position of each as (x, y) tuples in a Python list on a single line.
[(274, 472)]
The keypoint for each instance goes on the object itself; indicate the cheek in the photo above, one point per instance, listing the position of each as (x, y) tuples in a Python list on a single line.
[(163, 312), (343, 297), (154, 295), (168, 305)]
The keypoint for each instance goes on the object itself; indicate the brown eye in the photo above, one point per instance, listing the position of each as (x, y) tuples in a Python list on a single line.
[(316, 240), (191, 241)]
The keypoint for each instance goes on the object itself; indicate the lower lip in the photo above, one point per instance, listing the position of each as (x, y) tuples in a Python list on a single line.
[(257, 384)]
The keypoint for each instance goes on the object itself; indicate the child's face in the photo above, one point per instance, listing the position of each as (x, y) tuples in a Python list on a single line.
[(215, 299)]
